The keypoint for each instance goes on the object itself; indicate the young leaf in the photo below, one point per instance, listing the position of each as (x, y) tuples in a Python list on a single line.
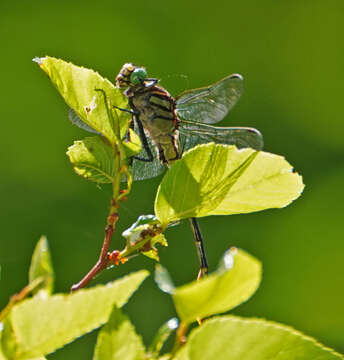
[(41, 266), (235, 338), (38, 326), (118, 340), (93, 159), (162, 335), (221, 180), (145, 234), (220, 291), (152, 251), (78, 87)]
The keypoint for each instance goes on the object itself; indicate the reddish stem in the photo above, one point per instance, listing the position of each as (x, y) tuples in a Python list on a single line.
[(103, 257)]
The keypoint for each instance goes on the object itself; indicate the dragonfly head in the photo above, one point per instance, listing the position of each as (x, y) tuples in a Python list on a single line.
[(130, 75)]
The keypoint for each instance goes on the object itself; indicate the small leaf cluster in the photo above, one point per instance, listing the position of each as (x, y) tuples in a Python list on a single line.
[(44, 322)]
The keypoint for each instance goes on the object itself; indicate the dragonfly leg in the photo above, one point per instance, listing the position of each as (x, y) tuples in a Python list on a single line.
[(144, 143), (199, 247), (132, 112)]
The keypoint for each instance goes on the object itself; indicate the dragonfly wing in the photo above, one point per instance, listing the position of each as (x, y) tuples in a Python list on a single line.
[(212, 103), (147, 169), (242, 137), (75, 120)]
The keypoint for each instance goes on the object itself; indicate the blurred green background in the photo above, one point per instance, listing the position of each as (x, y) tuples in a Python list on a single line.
[(292, 57)]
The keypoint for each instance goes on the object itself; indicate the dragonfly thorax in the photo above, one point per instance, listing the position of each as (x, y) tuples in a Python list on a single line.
[(155, 109)]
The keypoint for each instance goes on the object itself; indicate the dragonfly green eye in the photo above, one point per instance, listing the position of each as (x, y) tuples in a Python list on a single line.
[(138, 75)]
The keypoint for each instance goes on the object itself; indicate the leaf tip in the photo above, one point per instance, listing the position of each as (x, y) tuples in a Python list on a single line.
[(38, 60)]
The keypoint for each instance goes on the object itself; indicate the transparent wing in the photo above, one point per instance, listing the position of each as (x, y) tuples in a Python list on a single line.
[(75, 120), (242, 137), (212, 103), (147, 169)]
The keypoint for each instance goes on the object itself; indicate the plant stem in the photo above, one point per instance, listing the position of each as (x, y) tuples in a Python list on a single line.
[(103, 257), (120, 170), (112, 219), (180, 337)]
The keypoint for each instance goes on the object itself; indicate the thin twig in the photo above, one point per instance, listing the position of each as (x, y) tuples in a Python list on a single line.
[(103, 257), (180, 337)]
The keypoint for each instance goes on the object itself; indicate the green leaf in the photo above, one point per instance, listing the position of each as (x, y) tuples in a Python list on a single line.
[(41, 266), (220, 291), (221, 180), (93, 159), (78, 87), (162, 335), (118, 340), (39, 326), (236, 338), (2, 356)]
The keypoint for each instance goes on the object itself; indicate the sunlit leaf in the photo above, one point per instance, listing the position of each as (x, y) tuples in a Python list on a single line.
[(118, 340), (236, 338), (222, 180), (93, 159), (41, 266), (39, 326), (78, 87), (234, 282), (2, 356)]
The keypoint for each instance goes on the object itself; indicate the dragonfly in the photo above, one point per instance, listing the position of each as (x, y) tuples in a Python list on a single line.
[(169, 126)]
